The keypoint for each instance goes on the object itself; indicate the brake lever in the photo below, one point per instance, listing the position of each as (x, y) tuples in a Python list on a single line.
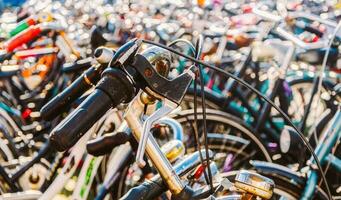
[(166, 108), (159, 86), (125, 52)]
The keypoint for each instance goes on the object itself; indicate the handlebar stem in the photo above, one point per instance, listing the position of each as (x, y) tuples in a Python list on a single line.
[(154, 152)]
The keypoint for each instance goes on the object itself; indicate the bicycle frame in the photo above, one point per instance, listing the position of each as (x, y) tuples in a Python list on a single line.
[(71, 165), (67, 171), (263, 117), (90, 167), (323, 149)]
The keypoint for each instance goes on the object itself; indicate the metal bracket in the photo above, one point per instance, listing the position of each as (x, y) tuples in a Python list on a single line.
[(168, 107)]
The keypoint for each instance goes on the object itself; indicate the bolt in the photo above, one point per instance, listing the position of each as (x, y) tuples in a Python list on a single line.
[(148, 72)]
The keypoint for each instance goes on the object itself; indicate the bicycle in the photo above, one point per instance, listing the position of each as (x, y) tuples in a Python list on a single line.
[(64, 137)]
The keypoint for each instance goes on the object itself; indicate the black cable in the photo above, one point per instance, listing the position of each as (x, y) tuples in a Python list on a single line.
[(229, 75), (196, 53), (196, 134), (190, 45), (198, 46)]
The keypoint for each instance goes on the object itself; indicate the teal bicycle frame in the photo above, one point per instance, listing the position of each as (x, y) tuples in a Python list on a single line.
[(323, 149), (10, 109)]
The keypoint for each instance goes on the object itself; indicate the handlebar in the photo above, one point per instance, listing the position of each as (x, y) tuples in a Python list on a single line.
[(117, 86), (290, 36), (147, 190), (308, 28), (72, 128), (30, 34), (314, 18), (267, 15), (78, 65), (60, 103), (22, 38), (102, 145), (128, 72), (5, 56), (89, 78), (24, 24), (113, 89)]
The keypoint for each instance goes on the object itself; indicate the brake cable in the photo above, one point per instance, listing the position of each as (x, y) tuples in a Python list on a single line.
[(198, 46), (190, 45), (196, 52), (245, 84), (195, 129)]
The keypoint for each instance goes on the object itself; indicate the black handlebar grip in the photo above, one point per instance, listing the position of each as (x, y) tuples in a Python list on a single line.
[(309, 28), (313, 30), (105, 144), (5, 56), (75, 125), (114, 88), (147, 190), (61, 102)]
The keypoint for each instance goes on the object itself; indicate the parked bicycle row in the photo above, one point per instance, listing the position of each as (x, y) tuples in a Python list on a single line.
[(170, 100)]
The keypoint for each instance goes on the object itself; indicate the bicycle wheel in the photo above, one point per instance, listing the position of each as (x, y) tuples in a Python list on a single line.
[(228, 136), (301, 93)]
